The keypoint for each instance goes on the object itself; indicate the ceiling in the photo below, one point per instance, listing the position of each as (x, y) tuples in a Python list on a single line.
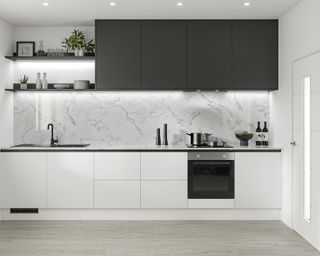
[(83, 12)]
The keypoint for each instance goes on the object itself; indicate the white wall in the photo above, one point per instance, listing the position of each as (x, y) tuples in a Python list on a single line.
[(52, 36), (6, 74), (6, 98), (299, 36)]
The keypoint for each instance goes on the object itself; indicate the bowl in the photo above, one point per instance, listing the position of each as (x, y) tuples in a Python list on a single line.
[(81, 84), (244, 138)]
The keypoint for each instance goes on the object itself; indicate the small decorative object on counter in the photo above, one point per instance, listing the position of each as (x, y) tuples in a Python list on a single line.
[(81, 84), (38, 81), (259, 135), (244, 137), (41, 51), (44, 81), (24, 82), (265, 135), (158, 137), (165, 135)]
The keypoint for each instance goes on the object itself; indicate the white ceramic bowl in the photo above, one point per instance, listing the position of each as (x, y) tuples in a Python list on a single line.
[(81, 84)]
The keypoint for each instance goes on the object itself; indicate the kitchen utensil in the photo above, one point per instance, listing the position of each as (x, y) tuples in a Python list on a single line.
[(165, 135), (158, 137), (198, 139), (81, 84)]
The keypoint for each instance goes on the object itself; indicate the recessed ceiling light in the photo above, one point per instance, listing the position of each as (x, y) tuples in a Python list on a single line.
[(112, 4), (45, 4), (179, 4), (247, 4)]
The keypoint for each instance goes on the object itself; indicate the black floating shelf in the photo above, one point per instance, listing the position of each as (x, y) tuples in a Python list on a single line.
[(15, 58), (32, 88)]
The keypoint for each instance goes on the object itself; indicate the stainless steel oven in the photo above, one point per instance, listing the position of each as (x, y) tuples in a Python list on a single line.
[(210, 175)]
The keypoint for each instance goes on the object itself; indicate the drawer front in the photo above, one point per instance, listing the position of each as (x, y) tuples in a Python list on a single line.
[(164, 166), (164, 194), (117, 194), (117, 166)]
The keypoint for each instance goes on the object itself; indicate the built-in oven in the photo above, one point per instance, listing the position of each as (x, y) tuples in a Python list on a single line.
[(210, 175)]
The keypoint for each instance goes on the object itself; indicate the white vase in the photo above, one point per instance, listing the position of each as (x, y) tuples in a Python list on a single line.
[(38, 81), (81, 52), (76, 52), (23, 86)]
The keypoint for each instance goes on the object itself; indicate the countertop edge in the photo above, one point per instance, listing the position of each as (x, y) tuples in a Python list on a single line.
[(140, 150)]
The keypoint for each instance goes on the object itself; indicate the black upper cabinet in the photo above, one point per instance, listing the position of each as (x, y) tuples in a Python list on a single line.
[(209, 54), (163, 54), (118, 54), (187, 54), (255, 55)]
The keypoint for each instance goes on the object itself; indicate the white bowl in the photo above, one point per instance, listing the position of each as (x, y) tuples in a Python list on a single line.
[(81, 84)]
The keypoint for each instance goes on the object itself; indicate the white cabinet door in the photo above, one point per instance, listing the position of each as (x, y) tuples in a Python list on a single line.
[(258, 180), (70, 180), (117, 194), (164, 194), (117, 166), (164, 166), (23, 180)]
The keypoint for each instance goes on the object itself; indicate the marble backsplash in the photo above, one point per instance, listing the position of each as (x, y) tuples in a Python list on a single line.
[(131, 118)]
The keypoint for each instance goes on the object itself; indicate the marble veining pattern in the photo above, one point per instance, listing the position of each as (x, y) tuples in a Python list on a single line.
[(131, 118)]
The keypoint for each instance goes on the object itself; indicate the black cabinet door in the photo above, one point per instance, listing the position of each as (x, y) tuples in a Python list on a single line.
[(163, 55), (255, 55), (118, 54), (209, 54)]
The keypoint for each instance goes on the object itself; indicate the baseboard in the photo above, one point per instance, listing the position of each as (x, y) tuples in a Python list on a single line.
[(146, 214)]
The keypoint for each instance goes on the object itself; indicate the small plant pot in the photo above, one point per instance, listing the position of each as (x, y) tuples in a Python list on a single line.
[(23, 86), (76, 52), (81, 53)]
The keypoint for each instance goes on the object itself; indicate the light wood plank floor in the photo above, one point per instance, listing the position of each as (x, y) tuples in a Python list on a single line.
[(148, 238)]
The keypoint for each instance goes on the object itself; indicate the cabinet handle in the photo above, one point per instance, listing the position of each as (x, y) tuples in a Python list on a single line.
[(293, 143)]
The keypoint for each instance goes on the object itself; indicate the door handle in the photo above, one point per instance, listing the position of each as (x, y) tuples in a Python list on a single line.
[(293, 143)]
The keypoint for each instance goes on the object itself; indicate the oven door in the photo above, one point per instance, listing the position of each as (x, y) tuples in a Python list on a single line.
[(213, 179)]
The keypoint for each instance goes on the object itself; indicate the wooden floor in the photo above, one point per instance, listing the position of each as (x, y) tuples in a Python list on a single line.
[(196, 238)]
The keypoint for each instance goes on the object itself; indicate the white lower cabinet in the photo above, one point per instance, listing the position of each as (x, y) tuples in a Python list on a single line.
[(117, 180), (258, 180), (23, 180), (117, 194), (70, 180), (164, 194)]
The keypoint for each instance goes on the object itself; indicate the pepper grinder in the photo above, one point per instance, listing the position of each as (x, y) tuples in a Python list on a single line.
[(165, 135), (158, 137)]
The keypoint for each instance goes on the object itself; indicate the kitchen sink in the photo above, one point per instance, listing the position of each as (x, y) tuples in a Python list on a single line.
[(51, 146)]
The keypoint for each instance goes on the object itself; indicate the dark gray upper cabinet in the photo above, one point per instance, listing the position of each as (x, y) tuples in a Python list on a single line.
[(255, 55), (187, 54), (118, 54), (163, 54), (209, 54)]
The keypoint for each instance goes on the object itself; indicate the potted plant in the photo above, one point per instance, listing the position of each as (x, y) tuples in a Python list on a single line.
[(23, 82), (89, 48), (75, 42)]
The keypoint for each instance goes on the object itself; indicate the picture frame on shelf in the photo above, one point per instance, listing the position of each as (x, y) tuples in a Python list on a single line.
[(25, 49)]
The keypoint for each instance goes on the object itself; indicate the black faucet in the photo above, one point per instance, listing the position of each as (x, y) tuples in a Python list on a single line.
[(53, 141)]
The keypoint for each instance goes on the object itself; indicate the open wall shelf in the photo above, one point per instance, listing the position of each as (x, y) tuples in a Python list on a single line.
[(32, 88), (15, 58)]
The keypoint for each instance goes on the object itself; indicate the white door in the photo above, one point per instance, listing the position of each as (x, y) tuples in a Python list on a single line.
[(306, 140)]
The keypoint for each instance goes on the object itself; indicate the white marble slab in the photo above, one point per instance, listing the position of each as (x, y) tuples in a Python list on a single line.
[(131, 118)]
